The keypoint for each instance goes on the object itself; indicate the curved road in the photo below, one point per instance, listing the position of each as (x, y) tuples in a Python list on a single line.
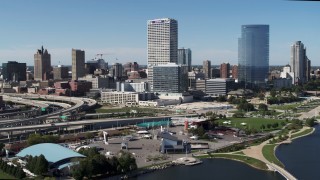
[(25, 99)]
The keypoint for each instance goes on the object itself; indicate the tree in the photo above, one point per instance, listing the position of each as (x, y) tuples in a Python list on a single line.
[(275, 125), (246, 106), (89, 135), (310, 122), (126, 162), (273, 93), (261, 96), (262, 127), (20, 174), (238, 115), (263, 107), (41, 165), (269, 126), (222, 99)]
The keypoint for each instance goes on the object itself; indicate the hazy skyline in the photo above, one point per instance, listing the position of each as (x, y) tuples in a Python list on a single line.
[(209, 28)]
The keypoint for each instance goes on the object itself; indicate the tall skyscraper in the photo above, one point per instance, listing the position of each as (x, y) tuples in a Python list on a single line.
[(117, 70), (162, 44), (14, 71), (300, 64), (78, 61), (253, 54), (42, 65), (207, 69), (184, 57), (225, 70)]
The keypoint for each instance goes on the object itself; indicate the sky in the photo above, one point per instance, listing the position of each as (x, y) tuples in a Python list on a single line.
[(118, 28)]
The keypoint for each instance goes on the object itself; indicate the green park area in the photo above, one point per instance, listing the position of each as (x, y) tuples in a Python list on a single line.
[(305, 132), (248, 160), (286, 106), (4, 175), (253, 123), (268, 153)]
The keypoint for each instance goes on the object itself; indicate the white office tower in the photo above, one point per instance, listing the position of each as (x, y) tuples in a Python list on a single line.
[(162, 44)]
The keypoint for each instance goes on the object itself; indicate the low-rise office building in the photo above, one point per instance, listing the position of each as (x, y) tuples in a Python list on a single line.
[(114, 97), (216, 87), (97, 81)]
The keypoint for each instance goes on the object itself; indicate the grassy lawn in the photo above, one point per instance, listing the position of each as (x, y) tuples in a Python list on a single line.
[(239, 153), (251, 123), (268, 153), (4, 175), (271, 113), (286, 106), (307, 131), (248, 160)]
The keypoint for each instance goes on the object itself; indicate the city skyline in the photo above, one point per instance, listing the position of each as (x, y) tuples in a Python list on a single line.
[(115, 28)]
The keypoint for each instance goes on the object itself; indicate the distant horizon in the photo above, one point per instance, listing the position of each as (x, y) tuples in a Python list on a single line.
[(118, 29)]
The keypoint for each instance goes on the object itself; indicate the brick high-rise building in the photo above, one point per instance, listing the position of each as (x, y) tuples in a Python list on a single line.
[(225, 70), (78, 61), (42, 65), (235, 72), (207, 69)]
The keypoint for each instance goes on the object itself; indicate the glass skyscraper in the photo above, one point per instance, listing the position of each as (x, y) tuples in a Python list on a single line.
[(253, 54), (184, 57)]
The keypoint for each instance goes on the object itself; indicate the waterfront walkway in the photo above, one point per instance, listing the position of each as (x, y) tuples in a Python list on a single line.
[(256, 152)]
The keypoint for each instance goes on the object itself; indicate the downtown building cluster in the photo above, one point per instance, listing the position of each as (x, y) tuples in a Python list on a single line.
[(169, 74)]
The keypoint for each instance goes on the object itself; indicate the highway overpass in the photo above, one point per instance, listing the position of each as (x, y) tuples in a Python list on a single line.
[(96, 123), (27, 99)]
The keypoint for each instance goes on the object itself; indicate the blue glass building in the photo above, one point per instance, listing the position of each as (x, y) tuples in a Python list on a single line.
[(253, 54)]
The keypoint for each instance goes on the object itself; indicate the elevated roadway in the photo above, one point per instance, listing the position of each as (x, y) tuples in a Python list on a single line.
[(105, 122), (27, 99)]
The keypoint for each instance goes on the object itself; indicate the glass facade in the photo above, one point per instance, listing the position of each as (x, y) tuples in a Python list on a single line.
[(253, 54), (170, 78), (14, 71), (184, 57)]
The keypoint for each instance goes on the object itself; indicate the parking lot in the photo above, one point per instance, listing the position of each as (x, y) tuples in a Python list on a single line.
[(146, 151)]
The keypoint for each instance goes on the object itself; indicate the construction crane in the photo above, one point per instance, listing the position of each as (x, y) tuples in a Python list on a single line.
[(102, 54)]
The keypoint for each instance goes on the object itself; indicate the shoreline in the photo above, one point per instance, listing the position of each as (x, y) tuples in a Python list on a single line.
[(161, 166), (284, 142), (256, 167)]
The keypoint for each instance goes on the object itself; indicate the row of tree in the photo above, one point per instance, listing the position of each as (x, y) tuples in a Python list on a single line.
[(37, 139), (96, 163), (37, 165), (15, 171)]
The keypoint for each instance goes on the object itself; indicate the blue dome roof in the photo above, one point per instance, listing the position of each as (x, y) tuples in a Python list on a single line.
[(52, 152)]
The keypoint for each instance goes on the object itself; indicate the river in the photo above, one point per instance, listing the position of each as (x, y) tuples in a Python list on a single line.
[(212, 169), (302, 157)]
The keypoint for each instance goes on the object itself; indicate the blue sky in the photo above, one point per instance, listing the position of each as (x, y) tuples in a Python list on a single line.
[(211, 28)]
